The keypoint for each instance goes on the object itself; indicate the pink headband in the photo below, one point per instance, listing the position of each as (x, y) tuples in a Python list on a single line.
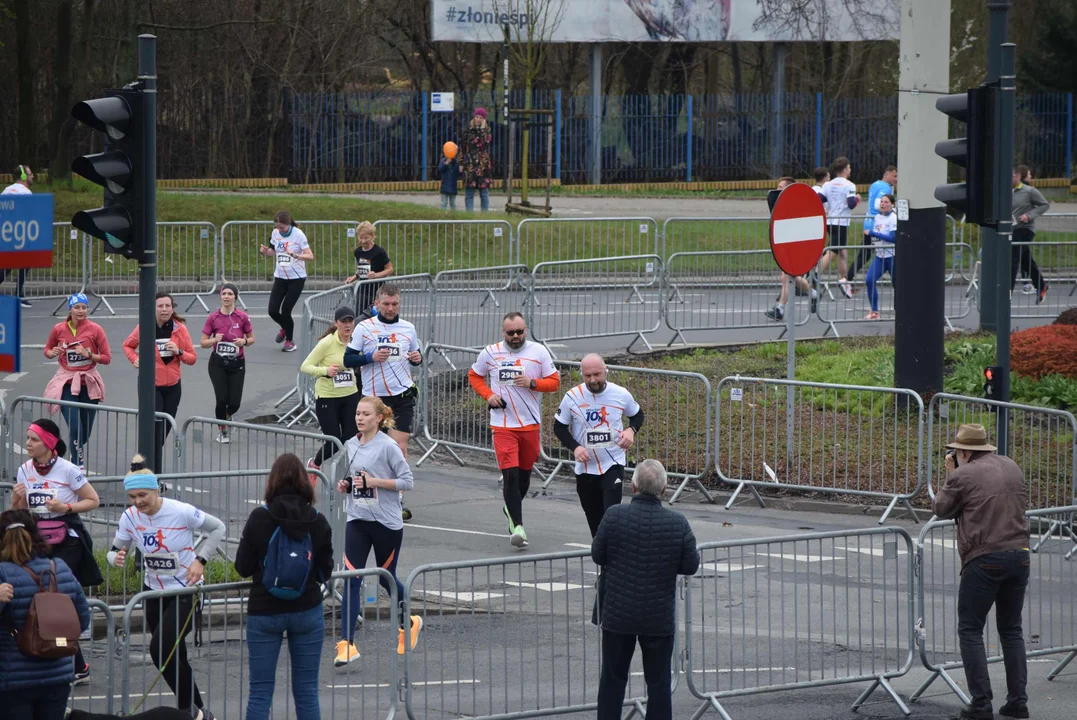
[(48, 438)]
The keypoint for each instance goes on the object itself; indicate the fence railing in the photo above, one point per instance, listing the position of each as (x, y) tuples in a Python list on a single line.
[(1056, 264), (434, 246), (542, 240), (98, 695), (469, 304)]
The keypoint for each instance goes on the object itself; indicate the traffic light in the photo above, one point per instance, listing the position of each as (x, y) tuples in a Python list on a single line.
[(119, 169), (992, 375), (975, 152)]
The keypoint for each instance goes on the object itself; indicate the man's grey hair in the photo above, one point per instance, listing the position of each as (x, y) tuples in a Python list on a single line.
[(650, 478)]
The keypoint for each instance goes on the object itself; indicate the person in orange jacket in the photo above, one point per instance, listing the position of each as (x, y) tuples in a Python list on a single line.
[(173, 348)]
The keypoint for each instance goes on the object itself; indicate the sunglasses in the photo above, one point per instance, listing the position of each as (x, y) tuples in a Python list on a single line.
[(513, 333)]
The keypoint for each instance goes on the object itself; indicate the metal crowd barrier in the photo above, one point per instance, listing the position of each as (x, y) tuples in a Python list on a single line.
[(1047, 615), (509, 637), (682, 235), (249, 446), (1057, 262), (810, 610), (462, 297), (818, 437), (673, 429), (217, 649), (454, 418), (68, 273), (316, 319), (597, 297), (188, 265), (432, 246), (541, 240), (1042, 441), (99, 650)]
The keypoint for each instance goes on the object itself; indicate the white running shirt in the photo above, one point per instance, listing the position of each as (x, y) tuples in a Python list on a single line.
[(61, 482), (500, 365), (17, 189), (596, 422), (166, 541), (287, 267), (838, 191), (393, 376), (884, 224)]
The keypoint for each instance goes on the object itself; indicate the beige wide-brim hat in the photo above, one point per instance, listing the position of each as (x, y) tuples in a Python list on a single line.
[(972, 437)]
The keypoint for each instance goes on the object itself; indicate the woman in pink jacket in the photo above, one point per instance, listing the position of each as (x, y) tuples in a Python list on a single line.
[(174, 348), (79, 345)]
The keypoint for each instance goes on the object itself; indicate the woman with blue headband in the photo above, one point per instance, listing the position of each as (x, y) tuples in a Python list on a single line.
[(163, 531), (79, 345)]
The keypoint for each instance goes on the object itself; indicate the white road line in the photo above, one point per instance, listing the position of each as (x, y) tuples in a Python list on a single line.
[(15, 377), (799, 558), (456, 530), (463, 596), (550, 587), (729, 671), (578, 545), (105, 697), (877, 552), (193, 490), (728, 567), (373, 686), (32, 347)]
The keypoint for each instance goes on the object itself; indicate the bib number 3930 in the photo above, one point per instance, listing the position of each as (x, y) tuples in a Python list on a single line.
[(36, 500)]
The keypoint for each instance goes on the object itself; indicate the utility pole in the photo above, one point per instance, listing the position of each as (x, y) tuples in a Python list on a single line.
[(998, 16), (147, 264), (1003, 181)]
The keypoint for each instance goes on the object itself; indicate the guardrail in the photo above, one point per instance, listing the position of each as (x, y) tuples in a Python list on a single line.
[(469, 304), (434, 246), (559, 239), (98, 695), (1056, 263), (249, 446)]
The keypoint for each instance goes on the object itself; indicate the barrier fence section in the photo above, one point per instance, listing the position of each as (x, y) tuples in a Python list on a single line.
[(454, 418), (1047, 614), (188, 265), (596, 297), (1042, 441), (216, 618), (509, 638), (838, 439), (848, 618), (469, 304), (558, 239), (68, 273), (433, 246), (98, 695), (317, 318), (248, 446), (1056, 263), (674, 429)]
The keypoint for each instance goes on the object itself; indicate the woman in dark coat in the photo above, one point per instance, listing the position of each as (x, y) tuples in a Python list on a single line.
[(477, 163)]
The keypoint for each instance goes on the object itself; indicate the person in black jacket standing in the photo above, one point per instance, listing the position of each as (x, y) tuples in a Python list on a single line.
[(642, 548), (288, 497)]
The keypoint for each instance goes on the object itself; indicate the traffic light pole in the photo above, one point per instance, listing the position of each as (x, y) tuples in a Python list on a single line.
[(147, 266), (990, 266), (1003, 182)]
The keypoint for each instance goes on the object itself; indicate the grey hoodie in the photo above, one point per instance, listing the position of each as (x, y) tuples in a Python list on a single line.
[(380, 458), (1028, 200)]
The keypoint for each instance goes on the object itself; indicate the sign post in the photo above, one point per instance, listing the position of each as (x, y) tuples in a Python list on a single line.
[(10, 334), (26, 231), (797, 240)]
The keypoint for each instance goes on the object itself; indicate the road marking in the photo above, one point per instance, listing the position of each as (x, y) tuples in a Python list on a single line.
[(375, 686), (799, 558), (578, 545), (877, 552), (15, 377), (105, 697), (729, 671), (550, 587), (464, 596), (32, 347), (193, 490), (458, 530), (728, 567)]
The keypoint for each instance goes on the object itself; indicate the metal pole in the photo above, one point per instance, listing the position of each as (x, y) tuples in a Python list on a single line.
[(778, 129), (505, 113), (791, 370), (596, 114), (989, 267), (147, 266), (1004, 203)]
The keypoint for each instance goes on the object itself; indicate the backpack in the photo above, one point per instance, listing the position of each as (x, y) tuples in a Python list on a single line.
[(287, 565), (52, 628)]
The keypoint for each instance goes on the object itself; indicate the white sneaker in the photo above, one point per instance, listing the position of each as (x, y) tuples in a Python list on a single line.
[(519, 537), (223, 438), (1028, 289)]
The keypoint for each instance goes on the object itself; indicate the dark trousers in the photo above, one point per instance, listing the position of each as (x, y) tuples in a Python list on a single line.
[(227, 379), (20, 282), (598, 493), (997, 579), (45, 702), (165, 618), (282, 299), (1021, 259), (336, 416), (79, 422), (617, 650), (166, 400)]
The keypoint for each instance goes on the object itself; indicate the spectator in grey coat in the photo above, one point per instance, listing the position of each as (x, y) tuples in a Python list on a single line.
[(642, 548)]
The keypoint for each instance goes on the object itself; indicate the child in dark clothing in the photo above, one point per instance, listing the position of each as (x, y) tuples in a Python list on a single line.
[(449, 171)]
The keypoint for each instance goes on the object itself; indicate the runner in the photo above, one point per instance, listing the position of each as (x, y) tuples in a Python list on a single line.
[(589, 423), (1028, 204), (883, 233), (371, 262), (79, 345), (335, 393), (509, 376), (57, 492), (164, 532), (379, 348), (841, 199), (374, 463), (173, 348), (24, 178), (802, 287), (289, 246), (884, 186), (228, 331)]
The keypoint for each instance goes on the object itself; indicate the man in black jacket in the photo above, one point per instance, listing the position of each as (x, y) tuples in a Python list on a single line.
[(642, 548)]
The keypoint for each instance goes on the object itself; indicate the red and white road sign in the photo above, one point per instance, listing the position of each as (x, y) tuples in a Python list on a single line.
[(797, 229)]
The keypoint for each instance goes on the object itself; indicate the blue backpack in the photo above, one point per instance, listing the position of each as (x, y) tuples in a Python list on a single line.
[(287, 565)]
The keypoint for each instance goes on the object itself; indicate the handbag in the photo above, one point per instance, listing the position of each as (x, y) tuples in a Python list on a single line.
[(52, 530)]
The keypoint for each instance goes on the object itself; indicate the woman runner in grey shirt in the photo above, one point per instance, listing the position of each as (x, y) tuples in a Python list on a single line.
[(376, 473)]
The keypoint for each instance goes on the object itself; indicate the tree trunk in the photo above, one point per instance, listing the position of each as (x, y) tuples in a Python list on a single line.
[(24, 36), (738, 71), (526, 144)]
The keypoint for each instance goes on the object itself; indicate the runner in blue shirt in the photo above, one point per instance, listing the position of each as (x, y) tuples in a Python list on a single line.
[(878, 189)]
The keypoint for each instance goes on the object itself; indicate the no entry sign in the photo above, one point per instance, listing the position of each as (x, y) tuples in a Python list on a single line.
[(797, 229)]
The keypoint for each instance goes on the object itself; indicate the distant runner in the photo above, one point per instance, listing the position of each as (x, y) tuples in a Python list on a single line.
[(291, 252)]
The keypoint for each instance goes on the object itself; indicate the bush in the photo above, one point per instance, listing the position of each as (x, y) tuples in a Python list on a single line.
[(1047, 350), (1067, 317)]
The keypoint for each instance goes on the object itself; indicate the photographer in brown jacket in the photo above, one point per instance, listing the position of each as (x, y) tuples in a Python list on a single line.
[(985, 495)]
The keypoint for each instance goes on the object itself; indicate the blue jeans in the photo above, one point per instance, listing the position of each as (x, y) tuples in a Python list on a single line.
[(306, 632), (44, 702), (448, 202), (469, 199), (79, 422)]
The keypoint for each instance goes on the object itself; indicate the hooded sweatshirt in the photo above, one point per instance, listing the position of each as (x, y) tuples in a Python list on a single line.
[(296, 517)]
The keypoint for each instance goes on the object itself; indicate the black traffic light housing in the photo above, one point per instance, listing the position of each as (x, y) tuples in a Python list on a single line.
[(119, 170), (992, 382), (978, 110)]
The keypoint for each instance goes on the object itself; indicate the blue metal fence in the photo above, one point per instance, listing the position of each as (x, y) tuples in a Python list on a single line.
[(394, 136)]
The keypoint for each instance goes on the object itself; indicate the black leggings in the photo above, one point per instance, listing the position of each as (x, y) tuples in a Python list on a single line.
[(227, 379), (1021, 259), (165, 617), (359, 537), (166, 400), (516, 483), (336, 416), (282, 299), (598, 493)]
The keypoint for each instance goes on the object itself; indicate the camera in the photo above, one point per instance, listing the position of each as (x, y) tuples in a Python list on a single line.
[(953, 454)]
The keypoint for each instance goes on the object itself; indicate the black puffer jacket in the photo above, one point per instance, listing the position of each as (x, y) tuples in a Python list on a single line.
[(642, 547)]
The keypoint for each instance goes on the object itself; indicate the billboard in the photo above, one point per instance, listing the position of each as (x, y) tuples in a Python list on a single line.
[(591, 21)]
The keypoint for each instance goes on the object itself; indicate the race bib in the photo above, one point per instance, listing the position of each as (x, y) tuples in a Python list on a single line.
[(161, 349), (284, 260), (343, 379), (37, 497), (368, 497), (227, 350), (599, 439), (362, 271), (508, 371), (161, 563), (74, 359), (396, 351)]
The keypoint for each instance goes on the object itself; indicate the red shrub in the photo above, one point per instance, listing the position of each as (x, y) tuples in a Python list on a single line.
[(1046, 350)]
